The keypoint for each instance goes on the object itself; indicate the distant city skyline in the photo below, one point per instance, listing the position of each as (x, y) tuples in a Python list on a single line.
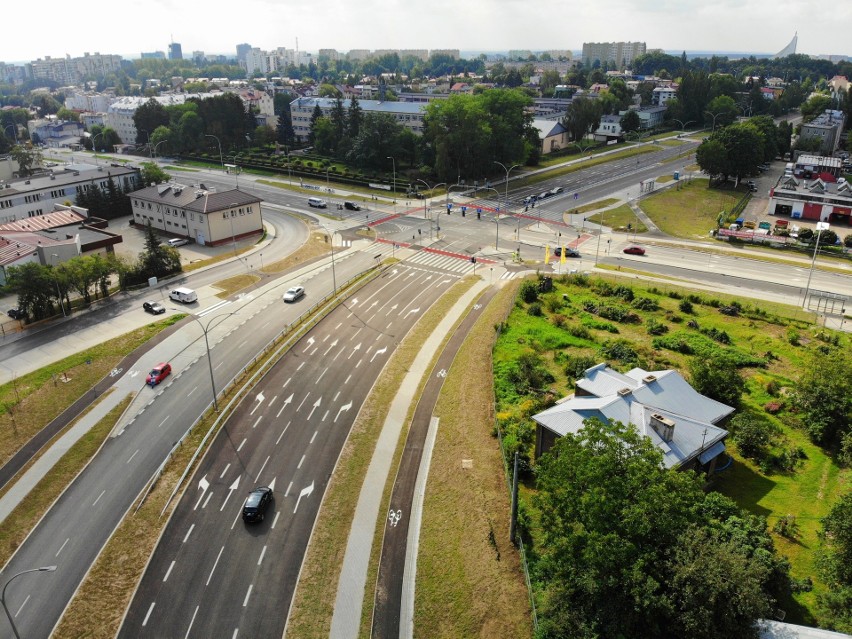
[(755, 27)]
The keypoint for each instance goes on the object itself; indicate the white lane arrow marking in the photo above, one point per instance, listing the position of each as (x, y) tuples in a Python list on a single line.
[(412, 311), (310, 343), (342, 409), (356, 348), (393, 308), (259, 399), (332, 345), (381, 351), (315, 406), (394, 272), (305, 492), (231, 489), (284, 405), (203, 484), (272, 484)]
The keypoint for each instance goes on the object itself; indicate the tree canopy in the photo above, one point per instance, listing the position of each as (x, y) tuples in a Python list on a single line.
[(631, 549)]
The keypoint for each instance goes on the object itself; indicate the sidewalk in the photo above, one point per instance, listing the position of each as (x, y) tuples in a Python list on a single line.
[(353, 574)]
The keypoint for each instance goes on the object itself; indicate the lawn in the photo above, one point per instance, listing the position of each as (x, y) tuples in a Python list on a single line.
[(618, 219), (758, 340), (691, 209)]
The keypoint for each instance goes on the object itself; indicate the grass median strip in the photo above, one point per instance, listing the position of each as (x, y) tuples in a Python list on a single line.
[(313, 604), (31, 401), (469, 579), (21, 520)]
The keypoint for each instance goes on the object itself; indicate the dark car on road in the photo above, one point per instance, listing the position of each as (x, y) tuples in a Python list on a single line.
[(254, 510), (155, 308), (352, 206), (569, 252), (16, 313), (634, 250)]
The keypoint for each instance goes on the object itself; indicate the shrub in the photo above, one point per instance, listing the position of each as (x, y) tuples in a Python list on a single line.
[(793, 336), (685, 306), (787, 527), (535, 310), (581, 332), (553, 303), (645, 304), (730, 310), (529, 374), (619, 349), (624, 292), (773, 387), (773, 408), (528, 291), (559, 320), (576, 365), (752, 434), (655, 327), (591, 322)]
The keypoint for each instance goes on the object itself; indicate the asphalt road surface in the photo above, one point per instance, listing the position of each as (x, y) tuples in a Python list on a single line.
[(213, 575)]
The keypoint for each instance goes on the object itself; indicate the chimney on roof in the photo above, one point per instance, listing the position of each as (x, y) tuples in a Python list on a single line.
[(649, 378), (663, 425)]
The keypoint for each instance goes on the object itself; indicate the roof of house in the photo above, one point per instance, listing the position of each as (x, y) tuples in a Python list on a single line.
[(194, 199), (546, 128), (46, 221), (632, 398)]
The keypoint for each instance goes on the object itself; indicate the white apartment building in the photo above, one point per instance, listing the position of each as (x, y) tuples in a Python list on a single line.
[(70, 70), (408, 114), (94, 102), (621, 53)]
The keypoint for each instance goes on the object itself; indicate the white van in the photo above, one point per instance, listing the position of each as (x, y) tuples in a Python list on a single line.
[(185, 295), (317, 202)]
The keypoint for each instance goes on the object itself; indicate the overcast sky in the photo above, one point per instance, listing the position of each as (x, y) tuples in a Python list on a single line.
[(217, 26)]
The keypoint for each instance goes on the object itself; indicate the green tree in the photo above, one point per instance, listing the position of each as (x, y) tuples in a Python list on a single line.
[(712, 157), (621, 551), (630, 121), (814, 106), (723, 108), (583, 117), (822, 398), (151, 173), (147, 118), (33, 285), (157, 260), (835, 564), (354, 118), (718, 378), (27, 157)]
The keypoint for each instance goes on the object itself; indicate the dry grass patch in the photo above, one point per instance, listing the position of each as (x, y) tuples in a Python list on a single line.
[(469, 578), (313, 603), (318, 244), (231, 285), (21, 520), (618, 219), (30, 402), (594, 206)]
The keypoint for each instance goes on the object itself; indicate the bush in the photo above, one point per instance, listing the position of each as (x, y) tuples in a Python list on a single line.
[(559, 320), (535, 310), (576, 365), (685, 306), (624, 292), (793, 336), (645, 304), (655, 327), (619, 349), (787, 527), (529, 374), (730, 310), (529, 291), (591, 322), (752, 434), (581, 332)]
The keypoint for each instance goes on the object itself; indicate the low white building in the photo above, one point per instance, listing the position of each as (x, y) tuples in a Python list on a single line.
[(408, 114), (198, 214)]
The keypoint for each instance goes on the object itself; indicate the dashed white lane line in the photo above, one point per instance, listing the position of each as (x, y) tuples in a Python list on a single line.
[(61, 547), (188, 533), (225, 470), (191, 621), (248, 594), (169, 571), (148, 614), (262, 553), (99, 497), (215, 563)]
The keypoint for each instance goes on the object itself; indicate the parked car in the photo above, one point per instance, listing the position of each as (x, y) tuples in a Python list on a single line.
[(16, 313), (158, 374), (294, 293), (544, 195), (256, 504), (177, 241), (556, 190), (352, 206), (155, 308), (184, 295), (569, 252), (634, 250)]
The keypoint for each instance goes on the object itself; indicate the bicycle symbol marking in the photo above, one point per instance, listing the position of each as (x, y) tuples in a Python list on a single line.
[(442, 373), (394, 516), (115, 371)]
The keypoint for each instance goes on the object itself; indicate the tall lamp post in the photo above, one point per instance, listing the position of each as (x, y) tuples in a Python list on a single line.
[(14, 128), (432, 188), (154, 152), (331, 242), (394, 181), (231, 218), (12, 578), (94, 148), (514, 166), (221, 160), (714, 116), (207, 328), (683, 124), (56, 281), (820, 227)]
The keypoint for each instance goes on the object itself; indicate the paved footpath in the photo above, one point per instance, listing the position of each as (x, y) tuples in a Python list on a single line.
[(353, 575)]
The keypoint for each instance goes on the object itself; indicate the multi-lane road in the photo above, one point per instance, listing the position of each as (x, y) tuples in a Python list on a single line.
[(214, 575)]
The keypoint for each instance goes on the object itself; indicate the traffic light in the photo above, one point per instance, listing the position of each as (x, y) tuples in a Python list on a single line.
[(473, 259)]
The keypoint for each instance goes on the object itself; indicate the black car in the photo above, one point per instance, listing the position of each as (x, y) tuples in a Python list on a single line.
[(155, 308), (16, 313), (352, 206), (254, 510)]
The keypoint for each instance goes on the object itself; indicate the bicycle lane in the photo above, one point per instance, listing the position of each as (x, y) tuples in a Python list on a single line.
[(393, 569)]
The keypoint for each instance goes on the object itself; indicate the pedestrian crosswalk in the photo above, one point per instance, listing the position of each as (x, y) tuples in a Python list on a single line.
[(443, 262)]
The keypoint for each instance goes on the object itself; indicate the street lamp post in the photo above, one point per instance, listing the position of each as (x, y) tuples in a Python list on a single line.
[(58, 294), (94, 148), (683, 124), (221, 160), (236, 171), (14, 128), (231, 218), (331, 242), (12, 578), (394, 181), (506, 205), (154, 152), (714, 116), (820, 227), (206, 329)]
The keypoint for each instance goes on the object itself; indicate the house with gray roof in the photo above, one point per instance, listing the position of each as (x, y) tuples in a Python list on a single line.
[(198, 214), (408, 114), (682, 423)]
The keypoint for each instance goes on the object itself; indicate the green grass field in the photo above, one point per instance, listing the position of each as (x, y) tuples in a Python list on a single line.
[(691, 209), (758, 339)]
